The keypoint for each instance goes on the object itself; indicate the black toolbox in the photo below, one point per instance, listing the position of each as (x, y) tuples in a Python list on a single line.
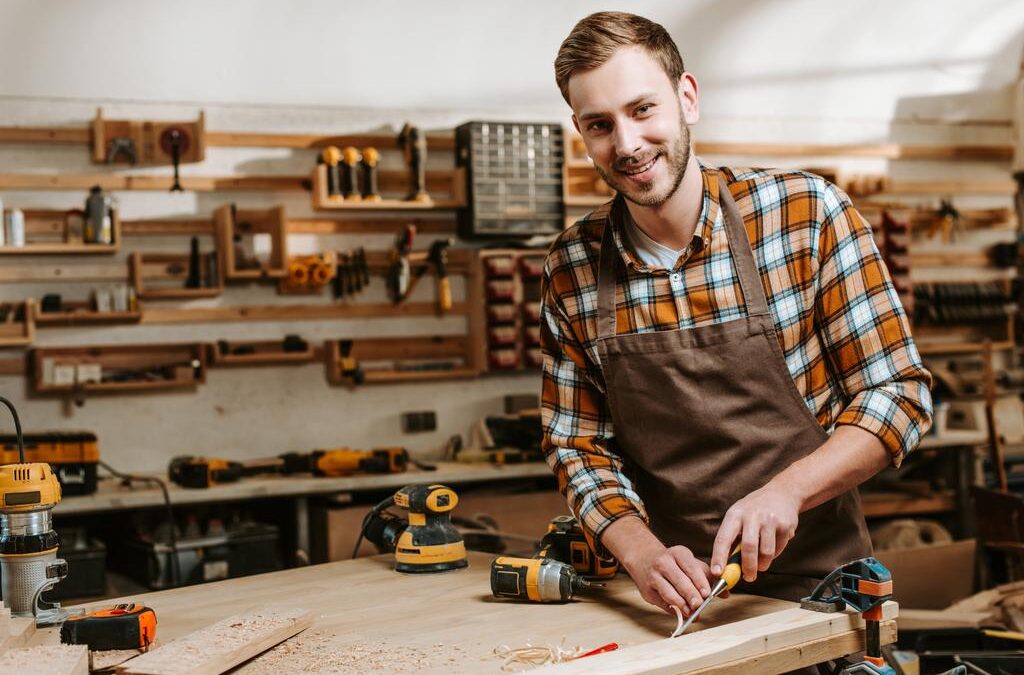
[(248, 548)]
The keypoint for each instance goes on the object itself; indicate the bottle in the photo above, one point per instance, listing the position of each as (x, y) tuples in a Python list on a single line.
[(17, 231), (98, 224)]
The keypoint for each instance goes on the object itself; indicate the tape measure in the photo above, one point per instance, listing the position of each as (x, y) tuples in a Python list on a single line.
[(125, 626)]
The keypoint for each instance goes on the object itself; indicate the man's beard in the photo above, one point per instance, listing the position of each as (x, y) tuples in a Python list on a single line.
[(677, 157)]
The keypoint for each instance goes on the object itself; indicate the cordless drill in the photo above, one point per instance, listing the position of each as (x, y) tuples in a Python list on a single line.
[(566, 543), (427, 541), (346, 461)]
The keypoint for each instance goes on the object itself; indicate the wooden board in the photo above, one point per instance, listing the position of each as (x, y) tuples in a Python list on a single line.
[(47, 660), (218, 648), (451, 623)]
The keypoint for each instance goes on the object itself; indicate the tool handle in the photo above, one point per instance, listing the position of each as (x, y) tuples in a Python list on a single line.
[(733, 568), (444, 294)]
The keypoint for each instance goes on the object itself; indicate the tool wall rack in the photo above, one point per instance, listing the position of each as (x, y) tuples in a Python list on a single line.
[(49, 232), (510, 314), (116, 368), (447, 190), (81, 313), (18, 327), (244, 353), (393, 360), (169, 267)]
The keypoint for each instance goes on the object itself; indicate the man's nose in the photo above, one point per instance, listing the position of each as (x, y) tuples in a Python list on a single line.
[(627, 138)]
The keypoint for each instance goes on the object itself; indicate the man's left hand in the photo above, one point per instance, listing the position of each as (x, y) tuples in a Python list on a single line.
[(765, 521)]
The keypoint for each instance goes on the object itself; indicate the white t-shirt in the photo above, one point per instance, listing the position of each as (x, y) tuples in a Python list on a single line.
[(653, 254)]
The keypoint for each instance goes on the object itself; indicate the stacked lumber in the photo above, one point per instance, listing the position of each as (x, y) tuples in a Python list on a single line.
[(999, 606)]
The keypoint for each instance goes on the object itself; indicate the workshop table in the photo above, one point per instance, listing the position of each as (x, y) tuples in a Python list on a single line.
[(369, 618)]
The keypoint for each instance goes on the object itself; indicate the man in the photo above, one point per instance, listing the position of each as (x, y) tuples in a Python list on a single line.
[(725, 357)]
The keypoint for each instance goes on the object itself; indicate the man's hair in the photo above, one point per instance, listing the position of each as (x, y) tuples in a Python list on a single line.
[(593, 41)]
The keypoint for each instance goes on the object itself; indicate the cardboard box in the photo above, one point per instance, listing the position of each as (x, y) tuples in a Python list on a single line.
[(931, 577)]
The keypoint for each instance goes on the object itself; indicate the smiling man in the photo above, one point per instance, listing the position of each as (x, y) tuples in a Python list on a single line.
[(725, 356)]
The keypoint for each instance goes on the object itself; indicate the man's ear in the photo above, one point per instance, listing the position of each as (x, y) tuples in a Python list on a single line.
[(689, 98)]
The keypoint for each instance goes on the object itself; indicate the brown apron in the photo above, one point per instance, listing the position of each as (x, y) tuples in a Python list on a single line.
[(705, 416)]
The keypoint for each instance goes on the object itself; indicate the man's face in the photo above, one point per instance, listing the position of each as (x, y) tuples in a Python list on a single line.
[(634, 122)]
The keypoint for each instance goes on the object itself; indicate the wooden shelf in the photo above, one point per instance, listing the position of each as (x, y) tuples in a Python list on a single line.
[(455, 188), (146, 140), (173, 366), (19, 333), (79, 314), (399, 352), (231, 222), (884, 504), (173, 267), (50, 224), (265, 353)]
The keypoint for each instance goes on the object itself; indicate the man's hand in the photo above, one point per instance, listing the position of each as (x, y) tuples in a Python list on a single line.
[(665, 576), (764, 521)]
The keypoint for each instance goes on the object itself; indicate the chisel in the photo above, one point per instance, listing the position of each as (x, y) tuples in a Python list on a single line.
[(730, 577)]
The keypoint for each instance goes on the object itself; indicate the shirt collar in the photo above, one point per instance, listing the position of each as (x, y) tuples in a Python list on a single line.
[(709, 209)]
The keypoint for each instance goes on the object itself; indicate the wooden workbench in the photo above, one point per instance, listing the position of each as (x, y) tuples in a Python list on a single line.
[(369, 618)]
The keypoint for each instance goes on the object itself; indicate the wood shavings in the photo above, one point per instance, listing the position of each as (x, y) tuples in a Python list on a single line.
[(318, 652), (532, 656), (679, 621)]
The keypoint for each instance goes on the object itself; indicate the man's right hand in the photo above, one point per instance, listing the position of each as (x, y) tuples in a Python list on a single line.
[(665, 576)]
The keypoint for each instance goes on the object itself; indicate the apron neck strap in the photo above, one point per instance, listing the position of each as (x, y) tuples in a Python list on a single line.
[(742, 254), (739, 247)]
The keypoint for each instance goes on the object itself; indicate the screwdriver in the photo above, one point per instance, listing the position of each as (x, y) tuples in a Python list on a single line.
[(730, 577)]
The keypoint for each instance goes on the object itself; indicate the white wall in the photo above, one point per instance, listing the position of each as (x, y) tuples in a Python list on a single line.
[(769, 70)]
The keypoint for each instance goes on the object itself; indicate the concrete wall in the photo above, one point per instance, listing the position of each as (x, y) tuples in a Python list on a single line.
[(770, 70)]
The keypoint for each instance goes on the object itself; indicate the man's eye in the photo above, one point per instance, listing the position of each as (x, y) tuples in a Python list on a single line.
[(598, 126), (645, 108)]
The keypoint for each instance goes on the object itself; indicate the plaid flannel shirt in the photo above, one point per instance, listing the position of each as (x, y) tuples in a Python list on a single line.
[(843, 331)]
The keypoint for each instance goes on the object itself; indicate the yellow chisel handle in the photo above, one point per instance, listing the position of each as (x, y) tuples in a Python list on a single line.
[(733, 568)]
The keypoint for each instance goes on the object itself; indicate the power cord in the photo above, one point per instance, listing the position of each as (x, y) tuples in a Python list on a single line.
[(128, 479), (383, 504), (17, 429)]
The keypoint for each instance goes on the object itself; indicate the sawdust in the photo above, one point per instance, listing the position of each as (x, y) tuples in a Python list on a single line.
[(44, 660), (318, 652)]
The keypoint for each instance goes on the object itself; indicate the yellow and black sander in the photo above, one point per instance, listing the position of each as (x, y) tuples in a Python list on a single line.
[(426, 541)]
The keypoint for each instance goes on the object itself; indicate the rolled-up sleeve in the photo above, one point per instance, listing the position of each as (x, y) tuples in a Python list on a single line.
[(578, 439), (866, 333)]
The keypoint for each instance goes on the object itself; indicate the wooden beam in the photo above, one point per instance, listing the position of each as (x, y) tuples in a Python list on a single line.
[(981, 153), (237, 139), (389, 181), (160, 227), (356, 226), (174, 315), (46, 272), (713, 648), (48, 135), (222, 646)]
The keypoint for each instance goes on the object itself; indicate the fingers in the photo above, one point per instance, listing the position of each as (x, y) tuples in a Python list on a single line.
[(767, 552), (727, 534), (750, 547)]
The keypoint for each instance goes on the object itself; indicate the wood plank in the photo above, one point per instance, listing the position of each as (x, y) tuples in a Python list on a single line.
[(48, 135), (46, 660), (783, 633), (238, 139), (14, 366), (355, 226), (159, 315), (393, 181), (981, 153), (48, 272), (222, 646), (811, 653), (161, 227)]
